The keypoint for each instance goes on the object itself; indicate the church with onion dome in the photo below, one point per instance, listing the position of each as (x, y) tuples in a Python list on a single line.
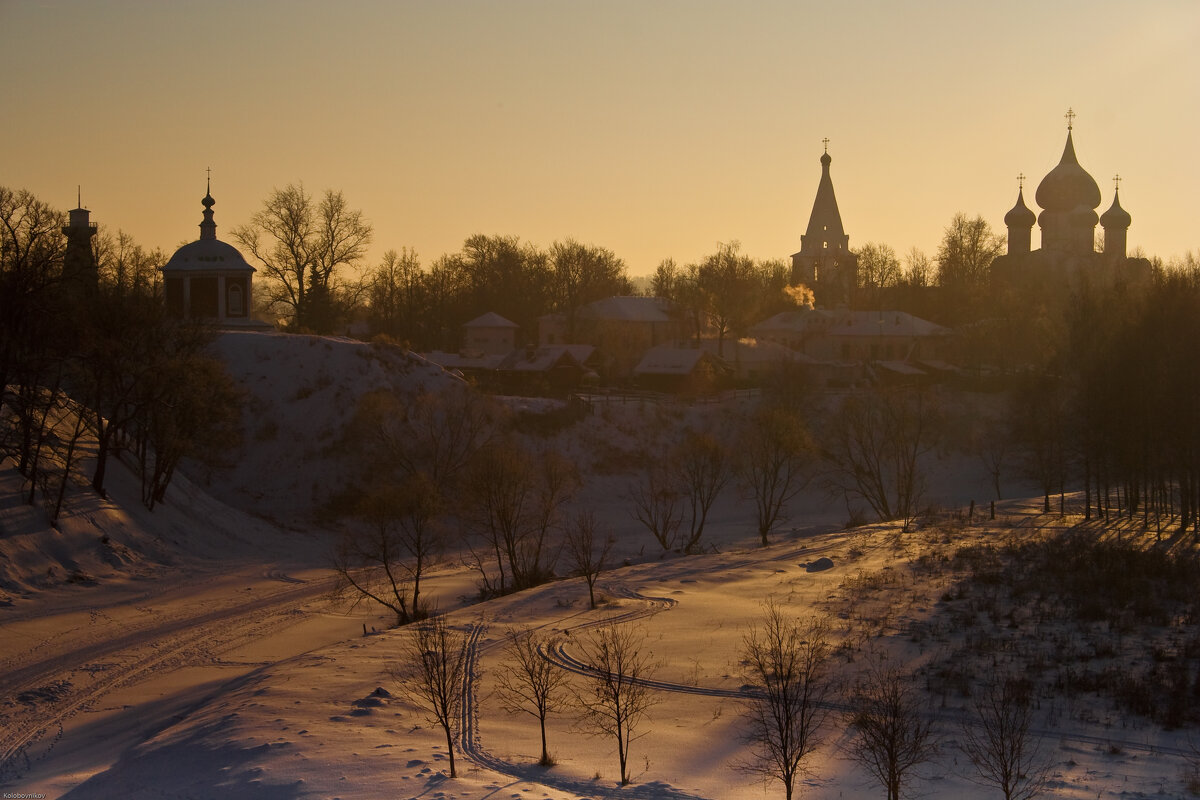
[(1068, 196), (211, 280)]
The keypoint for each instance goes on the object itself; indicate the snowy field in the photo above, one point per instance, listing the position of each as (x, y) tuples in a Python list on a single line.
[(195, 653)]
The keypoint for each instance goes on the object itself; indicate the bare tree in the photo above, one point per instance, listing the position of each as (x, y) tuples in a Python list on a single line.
[(436, 433), (1002, 745), (124, 264), (703, 471), (891, 735), (190, 409), (384, 560), (666, 279), (878, 266), (431, 672), (918, 269), (787, 664), (587, 551), (615, 699), (657, 505), (874, 446), (583, 273), (396, 294), (773, 464), (966, 252), (1039, 417), (302, 244), (514, 498), (730, 287), (992, 444), (530, 683)]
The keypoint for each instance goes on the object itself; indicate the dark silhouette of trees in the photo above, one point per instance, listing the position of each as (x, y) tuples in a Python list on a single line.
[(658, 505), (787, 664), (436, 434), (528, 683), (502, 274), (305, 246), (1140, 446), (513, 498), (398, 297), (615, 697), (400, 538), (1038, 413), (918, 269), (1001, 744), (666, 280), (431, 672), (703, 469), (587, 551), (31, 309), (874, 445), (97, 350), (966, 252), (581, 274), (188, 406), (773, 464), (878, 269), (729, 285), (891, 734), (125, 265), (964, 260)]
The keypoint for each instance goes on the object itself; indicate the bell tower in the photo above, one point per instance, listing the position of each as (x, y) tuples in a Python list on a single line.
[(79, 262)]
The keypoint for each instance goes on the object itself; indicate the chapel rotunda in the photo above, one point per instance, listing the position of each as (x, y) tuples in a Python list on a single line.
[(209, 279)]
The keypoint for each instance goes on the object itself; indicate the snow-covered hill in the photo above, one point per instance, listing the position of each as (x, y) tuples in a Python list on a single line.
[(194, 652)]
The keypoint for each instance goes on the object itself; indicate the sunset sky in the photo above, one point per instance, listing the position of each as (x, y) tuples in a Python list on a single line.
[(656, 129)]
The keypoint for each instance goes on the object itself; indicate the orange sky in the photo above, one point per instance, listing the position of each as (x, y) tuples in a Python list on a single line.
[(656, 129)]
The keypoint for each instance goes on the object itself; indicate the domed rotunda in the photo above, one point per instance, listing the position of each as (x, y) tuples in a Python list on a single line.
[(209, 279)]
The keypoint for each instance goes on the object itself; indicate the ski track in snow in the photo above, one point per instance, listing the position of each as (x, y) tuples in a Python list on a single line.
[(81, 678), (472, 748)]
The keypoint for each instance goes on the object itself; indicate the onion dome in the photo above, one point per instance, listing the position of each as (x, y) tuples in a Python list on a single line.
[(1020, 216), (1116, 217), (1082, 216), (1068, 186)]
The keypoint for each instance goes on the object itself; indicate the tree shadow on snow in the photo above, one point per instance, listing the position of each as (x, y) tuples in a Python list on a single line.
[(199, 764)]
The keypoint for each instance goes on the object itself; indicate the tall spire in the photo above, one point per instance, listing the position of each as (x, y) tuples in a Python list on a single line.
[(208, 228), (825, 232)]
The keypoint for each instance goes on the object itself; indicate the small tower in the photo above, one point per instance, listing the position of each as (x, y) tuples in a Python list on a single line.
[(1116, 224), (1020, 221), (825, 263), (79, 262)]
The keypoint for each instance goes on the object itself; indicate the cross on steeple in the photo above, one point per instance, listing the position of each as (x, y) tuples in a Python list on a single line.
[(1070, 115), (825, 142), (208, 185), (1117, 182), (1021, 181)]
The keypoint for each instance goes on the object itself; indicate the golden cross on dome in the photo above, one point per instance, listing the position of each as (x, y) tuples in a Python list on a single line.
[(825, 142), (1070, 115), (1021, 181)]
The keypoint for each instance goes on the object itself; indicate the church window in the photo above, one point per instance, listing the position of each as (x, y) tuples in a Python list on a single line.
[(234, 305)]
